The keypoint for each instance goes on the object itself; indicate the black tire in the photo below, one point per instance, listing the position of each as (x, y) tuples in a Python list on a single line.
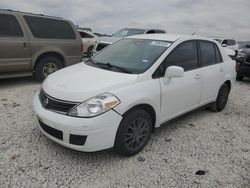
[(221, 100), (239, 78), (90, 51), (133, 133), (46, 66)]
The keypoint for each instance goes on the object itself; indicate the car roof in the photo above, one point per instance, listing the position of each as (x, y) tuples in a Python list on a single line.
[(29, 13), (169, 37)]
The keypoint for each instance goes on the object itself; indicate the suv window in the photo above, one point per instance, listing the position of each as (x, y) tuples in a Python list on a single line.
[(85, 35), (159, 31), (232, 42), (9, 26), (150, 32), (225, 42), (49, 28), (208, 53), (184, 55)]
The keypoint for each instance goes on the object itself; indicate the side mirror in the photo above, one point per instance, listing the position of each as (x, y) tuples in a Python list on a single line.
[(174, 72), (224, 45)]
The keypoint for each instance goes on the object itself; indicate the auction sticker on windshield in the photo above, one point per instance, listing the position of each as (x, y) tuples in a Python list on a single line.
[(160, 43)]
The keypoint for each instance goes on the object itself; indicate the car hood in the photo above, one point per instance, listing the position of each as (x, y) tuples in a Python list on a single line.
[(80, 82), (109, 40)]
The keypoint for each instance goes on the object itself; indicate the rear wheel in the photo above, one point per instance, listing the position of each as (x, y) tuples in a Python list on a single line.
[(90, 51), (133, 133), (46, 66), (222, 99)]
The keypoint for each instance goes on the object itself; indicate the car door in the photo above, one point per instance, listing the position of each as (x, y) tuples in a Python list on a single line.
[(15, 52), (212, 70), (180, 95)]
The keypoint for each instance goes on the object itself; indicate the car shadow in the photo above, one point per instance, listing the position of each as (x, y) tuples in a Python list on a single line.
[(13, 82)]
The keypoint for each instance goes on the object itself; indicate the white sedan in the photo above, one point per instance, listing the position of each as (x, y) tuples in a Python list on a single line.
[(117, 98)]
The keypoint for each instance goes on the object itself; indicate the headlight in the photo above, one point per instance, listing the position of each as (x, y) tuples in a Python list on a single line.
[(95, 106)]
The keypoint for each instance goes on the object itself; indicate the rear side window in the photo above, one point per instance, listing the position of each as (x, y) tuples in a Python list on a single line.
[(208, 56), (49, 28), (9, 26), (185, 55)]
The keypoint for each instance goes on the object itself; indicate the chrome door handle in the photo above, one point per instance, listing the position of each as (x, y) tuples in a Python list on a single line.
[(221, 69), (197, 76)]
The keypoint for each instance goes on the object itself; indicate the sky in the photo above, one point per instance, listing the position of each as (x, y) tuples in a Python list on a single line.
[(221, 18)]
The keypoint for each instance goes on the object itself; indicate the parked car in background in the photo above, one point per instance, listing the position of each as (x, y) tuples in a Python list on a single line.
[(243, 63), (89, 41), (106, 41), (117, 98), (228, 43), (36, 44)]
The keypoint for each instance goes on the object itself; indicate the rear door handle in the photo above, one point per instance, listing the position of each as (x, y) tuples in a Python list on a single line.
[(221, 69), (197, 76)]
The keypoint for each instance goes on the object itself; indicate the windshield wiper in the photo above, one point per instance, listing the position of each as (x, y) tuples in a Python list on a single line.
[(109, 67)]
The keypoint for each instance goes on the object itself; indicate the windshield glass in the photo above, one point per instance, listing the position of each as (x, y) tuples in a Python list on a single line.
[(134, 56), (128, 32)]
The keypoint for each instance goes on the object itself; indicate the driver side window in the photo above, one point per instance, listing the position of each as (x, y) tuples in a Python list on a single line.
[(185, 55)]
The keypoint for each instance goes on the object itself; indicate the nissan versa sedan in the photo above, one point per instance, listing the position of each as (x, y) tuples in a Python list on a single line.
[(118, 97)]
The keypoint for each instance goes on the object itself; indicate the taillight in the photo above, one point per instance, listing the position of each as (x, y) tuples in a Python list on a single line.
[(81, 47)]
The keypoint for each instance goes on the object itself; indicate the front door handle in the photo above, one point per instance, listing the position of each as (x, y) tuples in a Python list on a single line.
[(25, 44), (197, 76)]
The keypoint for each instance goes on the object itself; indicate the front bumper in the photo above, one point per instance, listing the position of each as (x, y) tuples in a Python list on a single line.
[(99, 131)]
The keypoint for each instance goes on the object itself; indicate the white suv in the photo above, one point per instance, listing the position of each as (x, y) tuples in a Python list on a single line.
[(228, 43), (117, 98)]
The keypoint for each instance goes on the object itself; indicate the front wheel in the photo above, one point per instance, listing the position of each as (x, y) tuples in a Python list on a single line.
[(221, 99), (133, 133)]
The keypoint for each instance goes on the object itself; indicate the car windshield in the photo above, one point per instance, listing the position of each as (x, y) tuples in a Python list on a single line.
[(128, 32), (133, 56)]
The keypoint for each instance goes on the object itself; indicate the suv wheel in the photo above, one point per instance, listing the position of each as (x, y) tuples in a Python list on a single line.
[(239, 78), (222, 99), (133, 132), (47, 65)]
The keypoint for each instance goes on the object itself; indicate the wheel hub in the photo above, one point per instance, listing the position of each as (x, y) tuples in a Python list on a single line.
[(136, 134)]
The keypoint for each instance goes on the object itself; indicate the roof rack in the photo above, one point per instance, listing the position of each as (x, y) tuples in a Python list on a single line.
[(30, 13)]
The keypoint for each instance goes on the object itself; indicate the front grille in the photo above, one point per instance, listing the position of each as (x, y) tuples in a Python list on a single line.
[(51, 131), (56, 105), (100, 46)]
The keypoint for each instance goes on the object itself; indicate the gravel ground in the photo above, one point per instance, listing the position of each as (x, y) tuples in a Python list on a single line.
[(214, 145)]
